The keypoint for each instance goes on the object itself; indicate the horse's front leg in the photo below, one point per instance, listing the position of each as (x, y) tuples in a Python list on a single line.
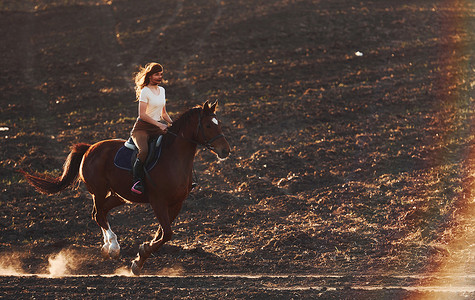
[(163, 235)]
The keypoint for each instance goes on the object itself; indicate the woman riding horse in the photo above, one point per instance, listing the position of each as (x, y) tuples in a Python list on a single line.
[(168, 183), (152, 111)]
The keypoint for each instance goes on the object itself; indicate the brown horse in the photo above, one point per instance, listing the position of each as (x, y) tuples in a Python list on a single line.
[(168, 185)]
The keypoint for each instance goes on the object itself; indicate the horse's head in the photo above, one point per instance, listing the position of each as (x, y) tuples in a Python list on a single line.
[(210, 133)]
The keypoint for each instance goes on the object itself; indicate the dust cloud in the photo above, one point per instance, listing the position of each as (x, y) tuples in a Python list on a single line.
[(176, 270), (10, 265), (123, 271), (173, 271), (64, 263), (67, 262)]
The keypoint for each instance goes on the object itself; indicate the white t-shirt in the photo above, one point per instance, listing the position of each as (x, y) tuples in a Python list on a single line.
[(155, 102)]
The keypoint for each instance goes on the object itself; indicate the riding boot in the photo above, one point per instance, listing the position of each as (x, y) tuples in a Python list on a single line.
[(138, 174)]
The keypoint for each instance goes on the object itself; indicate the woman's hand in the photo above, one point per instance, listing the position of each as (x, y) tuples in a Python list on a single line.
[(162, 126)]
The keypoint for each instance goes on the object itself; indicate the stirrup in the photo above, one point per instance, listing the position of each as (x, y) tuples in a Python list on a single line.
[(137, 187)]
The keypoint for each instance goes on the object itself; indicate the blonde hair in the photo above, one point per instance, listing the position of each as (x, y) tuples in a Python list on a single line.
[(142, 77)]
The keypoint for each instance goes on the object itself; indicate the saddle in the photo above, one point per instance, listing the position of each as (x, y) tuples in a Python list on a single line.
[(126, 155)]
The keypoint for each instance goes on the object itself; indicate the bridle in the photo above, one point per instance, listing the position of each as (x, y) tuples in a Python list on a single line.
[(200, 130), (207, 143)]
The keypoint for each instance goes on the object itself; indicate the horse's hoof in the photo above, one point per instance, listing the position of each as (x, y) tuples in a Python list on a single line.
[(105, 251), (114, 251), (135, 268), (114, 254)]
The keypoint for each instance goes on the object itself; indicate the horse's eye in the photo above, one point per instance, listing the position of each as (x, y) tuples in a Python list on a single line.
[(208, 126)]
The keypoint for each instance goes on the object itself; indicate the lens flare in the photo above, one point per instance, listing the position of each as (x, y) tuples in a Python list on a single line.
[(454, 92)]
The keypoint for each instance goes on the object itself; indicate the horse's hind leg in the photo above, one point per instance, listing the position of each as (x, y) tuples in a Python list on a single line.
[(111, 248)]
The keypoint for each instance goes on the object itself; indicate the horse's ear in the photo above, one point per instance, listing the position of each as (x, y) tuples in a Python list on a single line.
[(206, 106), (213, 106)]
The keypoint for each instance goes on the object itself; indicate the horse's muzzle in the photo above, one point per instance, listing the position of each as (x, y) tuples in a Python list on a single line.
[(223, 153)]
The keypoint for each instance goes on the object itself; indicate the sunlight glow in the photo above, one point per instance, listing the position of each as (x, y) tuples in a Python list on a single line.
[(458, 264)]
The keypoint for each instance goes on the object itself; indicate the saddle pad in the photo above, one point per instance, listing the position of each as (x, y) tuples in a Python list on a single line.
[(123, 158)]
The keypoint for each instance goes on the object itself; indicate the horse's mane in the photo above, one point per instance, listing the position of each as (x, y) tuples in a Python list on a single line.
[(181, 122)]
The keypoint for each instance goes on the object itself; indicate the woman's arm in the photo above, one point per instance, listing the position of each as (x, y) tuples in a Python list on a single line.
[(165, 115), (144, 117)]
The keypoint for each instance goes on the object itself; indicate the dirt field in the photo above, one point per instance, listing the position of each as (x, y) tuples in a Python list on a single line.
[(351, 128)]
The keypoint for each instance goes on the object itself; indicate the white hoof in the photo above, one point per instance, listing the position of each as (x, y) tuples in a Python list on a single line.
[(114, 251), (105, 251), (111, 248)]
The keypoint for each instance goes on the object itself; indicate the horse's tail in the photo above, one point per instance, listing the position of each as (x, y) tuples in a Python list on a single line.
[(52, 185)]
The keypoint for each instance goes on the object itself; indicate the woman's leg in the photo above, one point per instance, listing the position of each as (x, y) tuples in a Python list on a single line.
[(141, 141)]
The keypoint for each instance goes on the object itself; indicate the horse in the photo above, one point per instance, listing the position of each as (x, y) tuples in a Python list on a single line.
[(167, 184)]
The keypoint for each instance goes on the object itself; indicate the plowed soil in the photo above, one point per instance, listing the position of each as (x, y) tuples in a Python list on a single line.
[(350, 124)]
